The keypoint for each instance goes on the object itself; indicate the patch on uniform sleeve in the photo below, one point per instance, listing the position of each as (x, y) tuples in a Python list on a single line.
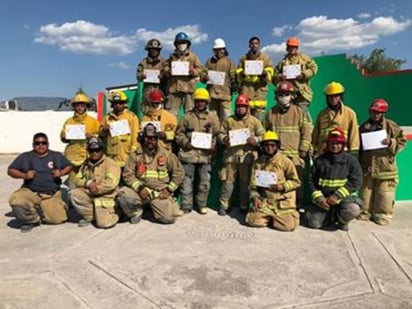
[(140, 168), (161, 160)]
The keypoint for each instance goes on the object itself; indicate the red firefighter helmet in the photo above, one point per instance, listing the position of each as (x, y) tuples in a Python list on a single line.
[(242, 100), (379, 105), (156, 96), (284, 86), (336, 135)]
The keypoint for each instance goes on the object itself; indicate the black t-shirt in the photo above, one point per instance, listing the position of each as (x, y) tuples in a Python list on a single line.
[(43, 182)]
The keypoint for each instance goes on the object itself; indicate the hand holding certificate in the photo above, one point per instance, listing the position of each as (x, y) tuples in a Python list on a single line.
[(239, 136), (201, 140), (216, 77), (180, 68), (253, 67), (152, 76), (265, 179), (120, 127), (373, 140), (292, 71), (75, 131)]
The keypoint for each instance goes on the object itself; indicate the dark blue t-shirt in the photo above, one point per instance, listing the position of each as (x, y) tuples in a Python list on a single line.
[(43, 182)]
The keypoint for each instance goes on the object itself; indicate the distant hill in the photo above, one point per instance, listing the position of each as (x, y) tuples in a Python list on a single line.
[(40, 103)]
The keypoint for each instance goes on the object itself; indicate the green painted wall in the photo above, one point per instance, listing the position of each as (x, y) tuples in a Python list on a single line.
[(360, 91)]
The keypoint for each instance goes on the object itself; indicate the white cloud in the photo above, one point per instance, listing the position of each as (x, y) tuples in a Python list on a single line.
[(87, 38), (167, 37), (364, 15), (119, 65), (320, 34), (279, 31)]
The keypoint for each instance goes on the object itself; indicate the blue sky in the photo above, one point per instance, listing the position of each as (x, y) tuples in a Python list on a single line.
[(51, 48)]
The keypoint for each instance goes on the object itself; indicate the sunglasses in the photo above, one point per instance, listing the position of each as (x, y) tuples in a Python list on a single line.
[(119, 103), (95, 150), (283, 94), (38, 143)]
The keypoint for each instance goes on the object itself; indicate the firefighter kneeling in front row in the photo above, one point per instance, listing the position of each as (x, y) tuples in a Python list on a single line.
[(151, 174), (336, 176), (273, 188)]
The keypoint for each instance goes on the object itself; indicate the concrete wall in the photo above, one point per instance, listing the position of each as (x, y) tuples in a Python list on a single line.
[(18, 127)]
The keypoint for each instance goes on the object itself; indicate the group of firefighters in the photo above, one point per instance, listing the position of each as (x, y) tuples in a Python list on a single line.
[(125, 164)]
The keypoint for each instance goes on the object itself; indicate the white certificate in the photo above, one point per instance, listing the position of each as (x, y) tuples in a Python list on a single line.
[(292, 71), (120, 127), (180, 68), (75, 131), (373, 140), (155, 123), (238, 137), (201, 140), (216, 77), (265, 179), (253, 67), (152, 76)]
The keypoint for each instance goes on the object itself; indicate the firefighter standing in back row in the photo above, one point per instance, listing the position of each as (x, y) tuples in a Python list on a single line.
[(119, 145), (221, 94), (238, 159), (197, 159), (255, 86), (294, 130), (308, 68), (75, 150), (336, 114), (273, 202), (380, 173), (166, 120), (151, 175), (181, 85), (153, 61)]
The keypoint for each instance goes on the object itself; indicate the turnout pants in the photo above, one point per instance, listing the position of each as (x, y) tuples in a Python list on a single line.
[(26, 204)]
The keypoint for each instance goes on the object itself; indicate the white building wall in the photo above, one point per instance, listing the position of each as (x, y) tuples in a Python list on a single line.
[(18, 127)]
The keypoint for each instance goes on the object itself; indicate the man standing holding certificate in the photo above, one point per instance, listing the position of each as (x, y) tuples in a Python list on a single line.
[(297, 68), (182, 69), (76, 131), (221, 80), (380, 173), (119, 129), (196, 135), (150, 71), (272, 188), (255, 72), (240, 134)]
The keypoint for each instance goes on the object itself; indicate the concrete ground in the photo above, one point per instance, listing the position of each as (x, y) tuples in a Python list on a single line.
[(203, 262)]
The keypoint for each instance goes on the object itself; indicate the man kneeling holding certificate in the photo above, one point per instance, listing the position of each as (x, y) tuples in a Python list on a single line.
[(273, 184)]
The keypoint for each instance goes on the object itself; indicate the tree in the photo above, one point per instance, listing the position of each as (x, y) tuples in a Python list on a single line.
[(378, 62)]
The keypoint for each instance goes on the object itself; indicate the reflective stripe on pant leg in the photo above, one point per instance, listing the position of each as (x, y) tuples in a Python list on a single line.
[(286, 221), (105, 213), (23, 202), (82, 202), (53, 209)]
